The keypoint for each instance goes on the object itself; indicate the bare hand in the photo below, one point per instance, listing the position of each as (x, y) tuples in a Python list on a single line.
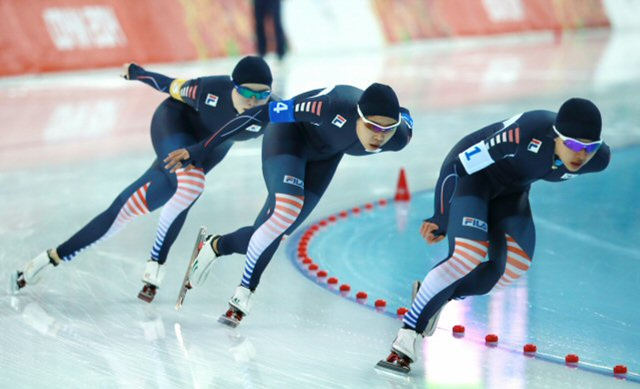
[(427, 231), (174, 160), (125, 71)]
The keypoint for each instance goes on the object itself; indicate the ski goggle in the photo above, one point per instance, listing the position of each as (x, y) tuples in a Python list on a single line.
[(577, 146), (249, 93), (375, 127)]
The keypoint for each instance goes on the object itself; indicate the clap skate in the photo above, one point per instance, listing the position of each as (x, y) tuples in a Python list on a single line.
[(239, 307), (33, 271), (186, 283), (152, 278), (402, 354)]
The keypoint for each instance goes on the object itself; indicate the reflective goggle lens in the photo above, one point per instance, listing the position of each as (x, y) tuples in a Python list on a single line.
[(375, 127), (577, 146), (249, 93)]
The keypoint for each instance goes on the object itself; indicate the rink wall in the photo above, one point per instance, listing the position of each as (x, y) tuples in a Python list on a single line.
[(54, 35)]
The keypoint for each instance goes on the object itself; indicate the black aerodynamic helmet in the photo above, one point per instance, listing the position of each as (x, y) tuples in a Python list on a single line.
[(579, 118), (252, 70)]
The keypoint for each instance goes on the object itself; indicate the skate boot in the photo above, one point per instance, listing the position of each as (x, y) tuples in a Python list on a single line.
[(33, 272), (239, 307), (403, 352), (152, 279), (203, 263)]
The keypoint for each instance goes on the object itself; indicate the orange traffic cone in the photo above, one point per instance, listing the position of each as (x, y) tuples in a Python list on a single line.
[(402, 191)]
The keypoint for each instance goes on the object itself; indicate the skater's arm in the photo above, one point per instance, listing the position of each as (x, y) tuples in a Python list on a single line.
[(434, 228), (157, 81), (182, 90), (248, 125)]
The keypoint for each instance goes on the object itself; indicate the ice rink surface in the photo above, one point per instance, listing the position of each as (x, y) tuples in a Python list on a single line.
[(70, 142)]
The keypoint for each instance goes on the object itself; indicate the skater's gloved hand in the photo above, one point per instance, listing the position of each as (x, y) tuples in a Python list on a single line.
[(176, 159), (130, 71), (431, 231)]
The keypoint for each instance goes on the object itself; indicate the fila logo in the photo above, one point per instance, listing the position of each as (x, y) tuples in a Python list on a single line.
[(338, 121), (568, 176), (475, 223), (211, 100), (534, 145), (291, 180), (254, 128)]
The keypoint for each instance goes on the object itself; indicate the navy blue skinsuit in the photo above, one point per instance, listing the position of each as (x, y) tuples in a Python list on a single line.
[(482, 204), (205, 107), (301, 150)]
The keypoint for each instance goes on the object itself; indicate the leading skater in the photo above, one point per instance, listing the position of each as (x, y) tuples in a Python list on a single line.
[(482, 205), (195, 109), (301, 150)]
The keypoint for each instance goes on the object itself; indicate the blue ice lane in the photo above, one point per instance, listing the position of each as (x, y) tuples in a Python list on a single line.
[(580, 295)]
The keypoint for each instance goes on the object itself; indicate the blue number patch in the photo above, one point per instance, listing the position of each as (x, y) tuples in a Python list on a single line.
[(281, 111)]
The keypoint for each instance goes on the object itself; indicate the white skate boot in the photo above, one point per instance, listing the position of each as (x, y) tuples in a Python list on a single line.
[(403, 352), (239, 307), (152, 278), (35, 269), (204, 262)]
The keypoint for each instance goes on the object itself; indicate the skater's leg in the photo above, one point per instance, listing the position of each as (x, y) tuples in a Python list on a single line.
[(468, 244), (147, 193), (170, 132), (468, 247), (512, 243), (131, 202), (313, 182), (235, 242), (189, 187), (134, 201), (285, 204), (319, 175)]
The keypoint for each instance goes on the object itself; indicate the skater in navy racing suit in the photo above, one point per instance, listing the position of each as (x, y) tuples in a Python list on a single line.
[(301, 150), (195, 109), (482, 206)]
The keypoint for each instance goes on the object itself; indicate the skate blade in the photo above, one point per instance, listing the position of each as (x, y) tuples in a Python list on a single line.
[(145, 297), (13, 287), (387, 367), (182, 295), (231, 323), (186, 281)]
